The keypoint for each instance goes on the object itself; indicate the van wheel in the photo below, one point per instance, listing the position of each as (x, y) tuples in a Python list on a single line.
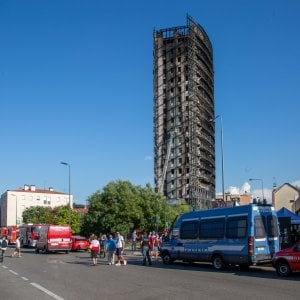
[(283, 268), (166, 258), (244, 267), (218, 262)]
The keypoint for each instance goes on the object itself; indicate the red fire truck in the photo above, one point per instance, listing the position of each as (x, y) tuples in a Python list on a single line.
[(3, 231), (12, 232), (29, 234)]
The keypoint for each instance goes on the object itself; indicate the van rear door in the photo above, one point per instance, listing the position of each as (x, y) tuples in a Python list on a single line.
[(59, 238), (265, 237)]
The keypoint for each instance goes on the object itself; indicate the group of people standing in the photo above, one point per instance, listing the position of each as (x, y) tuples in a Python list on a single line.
[(110, 246), (113, 247)]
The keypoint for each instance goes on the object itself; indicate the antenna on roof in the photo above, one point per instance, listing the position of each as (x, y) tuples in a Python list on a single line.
[(274, 183)]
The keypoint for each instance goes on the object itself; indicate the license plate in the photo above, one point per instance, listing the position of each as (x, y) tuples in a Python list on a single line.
[(261, 248)]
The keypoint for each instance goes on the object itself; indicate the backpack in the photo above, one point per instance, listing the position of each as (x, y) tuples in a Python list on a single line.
[(4, 244)]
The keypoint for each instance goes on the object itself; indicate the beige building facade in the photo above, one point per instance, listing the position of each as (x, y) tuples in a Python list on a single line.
[(232, 200), (287, 196), (14, 202)]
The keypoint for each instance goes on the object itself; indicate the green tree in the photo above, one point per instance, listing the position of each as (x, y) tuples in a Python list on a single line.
[(121, 206), (61, 215), (64, 215), (38, 215)]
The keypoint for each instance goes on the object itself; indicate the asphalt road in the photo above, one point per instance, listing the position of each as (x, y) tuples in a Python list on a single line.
[(70, 276)]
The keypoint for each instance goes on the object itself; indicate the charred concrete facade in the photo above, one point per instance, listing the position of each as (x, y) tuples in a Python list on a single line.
[(184, 135)]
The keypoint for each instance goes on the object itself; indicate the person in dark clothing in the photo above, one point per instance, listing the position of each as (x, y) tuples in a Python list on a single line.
[(146, 250), (3, 246)]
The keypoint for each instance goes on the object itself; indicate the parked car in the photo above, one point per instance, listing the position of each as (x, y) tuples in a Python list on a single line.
[(79, 243), (287, 260)]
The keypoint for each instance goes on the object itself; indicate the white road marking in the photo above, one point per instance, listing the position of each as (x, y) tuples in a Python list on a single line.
[(39, 287)]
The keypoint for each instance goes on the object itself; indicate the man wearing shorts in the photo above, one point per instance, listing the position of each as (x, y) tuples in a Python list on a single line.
[(120, 245), (18, 248)]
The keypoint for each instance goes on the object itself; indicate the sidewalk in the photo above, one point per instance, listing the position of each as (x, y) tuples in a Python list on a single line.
[(137, 252)]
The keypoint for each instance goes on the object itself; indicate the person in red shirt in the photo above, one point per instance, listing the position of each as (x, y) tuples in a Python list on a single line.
[(95, 250), (151, 243)]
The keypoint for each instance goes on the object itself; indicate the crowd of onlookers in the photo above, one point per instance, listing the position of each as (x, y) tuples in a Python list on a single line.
[(113, 247)]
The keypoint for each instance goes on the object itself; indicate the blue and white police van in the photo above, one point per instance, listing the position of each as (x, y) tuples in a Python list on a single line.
[(240, 235)]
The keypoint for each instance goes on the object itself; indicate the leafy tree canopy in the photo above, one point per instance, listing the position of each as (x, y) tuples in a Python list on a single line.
[(121, 206), (61, 215)]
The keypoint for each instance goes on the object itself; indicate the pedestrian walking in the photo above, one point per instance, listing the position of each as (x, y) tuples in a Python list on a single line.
[(145, 249), (120, 246), (156, 245), (102, 242), (133, 240), (3, 247), (151, 243), (95, 250), (111, 248), (17, 250)]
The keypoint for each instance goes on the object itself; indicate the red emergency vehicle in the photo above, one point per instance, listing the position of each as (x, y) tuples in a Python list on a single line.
[(287, 260), (54, 238), (80, 243), (3, 231), (29, 234), (12, 232)]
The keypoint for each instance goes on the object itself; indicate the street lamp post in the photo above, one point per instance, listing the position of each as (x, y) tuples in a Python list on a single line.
[(69, 166), (222, 153), (262, 186)]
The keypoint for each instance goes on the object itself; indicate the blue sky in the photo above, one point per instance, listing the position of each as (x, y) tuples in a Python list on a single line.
[(76, 86)]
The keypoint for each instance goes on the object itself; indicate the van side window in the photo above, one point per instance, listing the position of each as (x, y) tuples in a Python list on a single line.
[(259, 227), (236, 227), (212, 229), (189, 230), (272, 226)]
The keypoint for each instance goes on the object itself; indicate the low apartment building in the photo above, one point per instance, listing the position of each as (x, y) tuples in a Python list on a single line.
[(14, 202)]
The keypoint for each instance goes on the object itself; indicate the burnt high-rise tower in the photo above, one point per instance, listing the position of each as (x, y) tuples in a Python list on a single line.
[(184, 145)]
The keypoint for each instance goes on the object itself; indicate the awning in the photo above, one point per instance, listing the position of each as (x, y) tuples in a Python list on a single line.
[(284, 212)]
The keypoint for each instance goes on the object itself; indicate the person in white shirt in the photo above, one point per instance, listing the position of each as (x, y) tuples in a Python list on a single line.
[(120, 245), (18, 248), (95, 250)]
